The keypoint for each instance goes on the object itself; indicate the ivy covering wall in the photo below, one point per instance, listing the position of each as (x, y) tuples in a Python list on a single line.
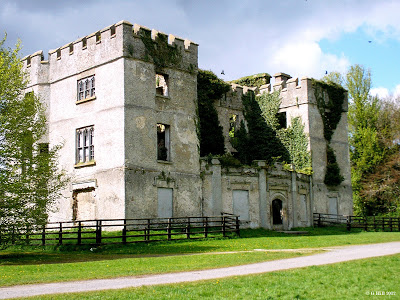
[(161, 53), (210, 132), (293, 138), (330, 98), (259, 141)]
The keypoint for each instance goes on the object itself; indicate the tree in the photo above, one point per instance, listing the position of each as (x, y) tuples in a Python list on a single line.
[(366, 148), (30, 180)]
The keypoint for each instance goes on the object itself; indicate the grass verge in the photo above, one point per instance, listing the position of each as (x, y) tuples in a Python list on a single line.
[(23, 265), (361, 279)]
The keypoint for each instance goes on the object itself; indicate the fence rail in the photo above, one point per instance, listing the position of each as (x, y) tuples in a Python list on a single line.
[(117, 231), (367, 223)]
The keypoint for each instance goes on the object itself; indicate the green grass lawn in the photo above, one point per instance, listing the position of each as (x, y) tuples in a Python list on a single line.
[(22, 265), (349, 280)]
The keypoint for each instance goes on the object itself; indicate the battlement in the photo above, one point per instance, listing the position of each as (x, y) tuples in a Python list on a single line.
[(118, 40)]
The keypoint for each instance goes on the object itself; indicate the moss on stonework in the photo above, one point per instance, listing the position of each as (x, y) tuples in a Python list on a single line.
[(256, 80), (162, 54)]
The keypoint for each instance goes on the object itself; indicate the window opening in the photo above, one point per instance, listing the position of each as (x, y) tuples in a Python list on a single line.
[(86, 88), (162, 84), (85, 144), (282, 121), (233, 124), (163, 151)]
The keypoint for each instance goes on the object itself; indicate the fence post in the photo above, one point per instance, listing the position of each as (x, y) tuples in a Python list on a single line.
[(44, 235), (319, 220), (348, 223), (398, 220), (124, 233), (27, 235), (223, 226), (365, 223), (188, 229), (147, 231), (237, 226), (390, 223), (374, 223), (169, 229), (60, 235), (383, 223), (205, 225), (98, 232), (79, 232)]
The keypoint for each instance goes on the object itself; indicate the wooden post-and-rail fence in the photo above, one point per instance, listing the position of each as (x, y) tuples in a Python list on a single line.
[(117, 231), (366, 223)]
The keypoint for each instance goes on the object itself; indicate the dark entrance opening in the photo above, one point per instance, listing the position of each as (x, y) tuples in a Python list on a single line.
[(277, 212)]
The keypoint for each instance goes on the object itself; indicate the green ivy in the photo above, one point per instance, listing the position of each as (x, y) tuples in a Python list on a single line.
[(256, 80), (330, 109), (259, 141), (162, 54), (210, 132), (293, 138)]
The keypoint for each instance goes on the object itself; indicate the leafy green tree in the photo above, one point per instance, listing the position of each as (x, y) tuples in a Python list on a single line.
[(30, 180), (366, 149)]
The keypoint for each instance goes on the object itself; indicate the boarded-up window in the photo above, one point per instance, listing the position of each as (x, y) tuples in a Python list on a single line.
[(333, 206), (165, 203), (84, 206), (241, 204)]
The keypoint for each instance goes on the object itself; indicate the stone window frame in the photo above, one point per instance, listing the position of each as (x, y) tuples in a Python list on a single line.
[(86, 89), (84, 146), (163, 142), (162, 84)]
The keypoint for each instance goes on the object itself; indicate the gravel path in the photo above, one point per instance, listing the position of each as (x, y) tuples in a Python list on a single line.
[(333, 255)]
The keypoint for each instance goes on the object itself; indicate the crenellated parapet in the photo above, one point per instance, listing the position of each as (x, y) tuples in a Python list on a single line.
[(115, 41)]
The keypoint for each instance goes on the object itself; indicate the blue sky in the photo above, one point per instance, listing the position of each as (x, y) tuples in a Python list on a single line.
[(298, 37)]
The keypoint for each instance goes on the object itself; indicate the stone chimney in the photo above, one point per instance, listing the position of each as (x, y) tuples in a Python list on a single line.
[(281, 79)]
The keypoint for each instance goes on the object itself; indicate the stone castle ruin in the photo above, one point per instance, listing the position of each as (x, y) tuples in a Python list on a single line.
[(123, 102)]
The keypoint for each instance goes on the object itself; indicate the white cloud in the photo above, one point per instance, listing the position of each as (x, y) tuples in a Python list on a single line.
[(380, 92)]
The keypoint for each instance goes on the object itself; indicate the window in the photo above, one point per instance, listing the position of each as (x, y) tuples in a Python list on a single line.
[(84, 144), (233, 125), (162, 85), (282, 119), (86, 88), (163, 151)]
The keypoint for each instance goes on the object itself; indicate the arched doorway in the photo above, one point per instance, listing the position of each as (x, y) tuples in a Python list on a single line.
[(277, 212)]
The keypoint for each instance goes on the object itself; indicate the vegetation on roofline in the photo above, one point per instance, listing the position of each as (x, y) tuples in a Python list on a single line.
[(256, 80), (162, 54)]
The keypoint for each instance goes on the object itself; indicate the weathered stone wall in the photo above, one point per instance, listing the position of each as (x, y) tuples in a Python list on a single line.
[(260, 187)]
